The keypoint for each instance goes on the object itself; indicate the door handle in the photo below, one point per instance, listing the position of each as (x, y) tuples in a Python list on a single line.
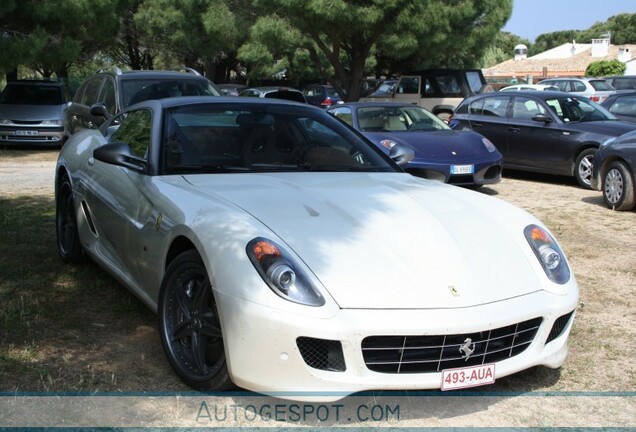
[(514, 129), (475, 124)]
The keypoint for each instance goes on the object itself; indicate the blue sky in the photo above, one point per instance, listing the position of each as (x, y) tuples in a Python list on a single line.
[(530, 18)]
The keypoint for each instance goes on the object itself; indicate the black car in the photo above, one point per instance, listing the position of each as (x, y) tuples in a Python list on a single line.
[(614, 170), (321, 95), (622, 105), (108, 92), (546, 132), (622, 82)]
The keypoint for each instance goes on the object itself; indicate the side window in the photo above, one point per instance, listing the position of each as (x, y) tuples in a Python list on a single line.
[(134, 129), (107, 95), (492, 106), (524, 108), (343, 114), (90, 93), (562, 85), (624, 106), (427, 87), (448, 84), (579, 86), (409, 85)]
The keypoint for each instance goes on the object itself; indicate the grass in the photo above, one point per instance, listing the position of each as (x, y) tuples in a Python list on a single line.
[(53, 313)]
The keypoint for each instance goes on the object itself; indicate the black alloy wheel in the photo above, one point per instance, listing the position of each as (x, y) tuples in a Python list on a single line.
[(189, 325), (618, 187), (68, 242)]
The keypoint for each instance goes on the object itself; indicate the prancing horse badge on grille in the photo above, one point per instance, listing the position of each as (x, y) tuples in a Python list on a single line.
[(466, 348)]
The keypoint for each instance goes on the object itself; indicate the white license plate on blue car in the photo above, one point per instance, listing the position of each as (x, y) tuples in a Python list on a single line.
[(27, 133), (462, 169)]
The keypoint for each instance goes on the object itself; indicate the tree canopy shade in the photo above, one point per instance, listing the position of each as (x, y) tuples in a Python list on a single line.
[(341, 35), (197, 33), (49, 35)]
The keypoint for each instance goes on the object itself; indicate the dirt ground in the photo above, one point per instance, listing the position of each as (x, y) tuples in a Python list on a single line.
[(600, 245)]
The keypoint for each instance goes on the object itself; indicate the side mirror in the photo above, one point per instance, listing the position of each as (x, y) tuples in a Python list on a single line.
[(118, 153), (402, 154), (541, 118), (99, 110)]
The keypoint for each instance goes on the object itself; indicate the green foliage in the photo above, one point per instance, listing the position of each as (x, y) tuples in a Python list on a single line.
[(341, 36), (605, 68)]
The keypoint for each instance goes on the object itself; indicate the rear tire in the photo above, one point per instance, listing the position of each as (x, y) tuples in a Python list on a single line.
[(618, 187), (68, 242), (583, 167)]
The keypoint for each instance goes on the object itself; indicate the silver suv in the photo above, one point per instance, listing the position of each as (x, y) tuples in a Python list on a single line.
[(109, 91), (596, 89)]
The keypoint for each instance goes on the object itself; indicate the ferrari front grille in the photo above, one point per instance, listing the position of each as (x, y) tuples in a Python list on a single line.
[(422, 354)]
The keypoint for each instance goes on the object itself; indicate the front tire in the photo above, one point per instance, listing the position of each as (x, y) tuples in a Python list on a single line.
[(68, 242), (618, 187), (189, 325), (583, 168)]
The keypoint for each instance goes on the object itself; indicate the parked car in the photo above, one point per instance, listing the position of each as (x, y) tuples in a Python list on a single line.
[(322, 95), (285, 93), (596, 89), (32, 113), (546, 132), (622, 82), (457, 157), (622, 105), (230, 89), (383, 89), (529, 87), (284, 253), (437, 90), (110, 91), (614, 169)]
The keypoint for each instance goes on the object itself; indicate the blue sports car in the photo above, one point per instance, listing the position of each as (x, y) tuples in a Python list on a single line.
[(457, 157)]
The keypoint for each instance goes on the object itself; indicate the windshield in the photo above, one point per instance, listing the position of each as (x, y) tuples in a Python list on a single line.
[(573, 109), (139, 90), (393, 119), (31, 95), (209, 139)]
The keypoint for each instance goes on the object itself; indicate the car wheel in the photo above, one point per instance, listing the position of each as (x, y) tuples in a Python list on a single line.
[(189, 325), (68, 242), (583, 167), (618, 187)]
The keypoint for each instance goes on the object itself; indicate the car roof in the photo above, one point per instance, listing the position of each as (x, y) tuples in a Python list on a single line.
[(375, 104), (220, 100), (265, 89), (544, 94)]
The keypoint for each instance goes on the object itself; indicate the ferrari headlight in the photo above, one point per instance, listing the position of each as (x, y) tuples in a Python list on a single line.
[(488, 144), (548, 253), (281, 273)]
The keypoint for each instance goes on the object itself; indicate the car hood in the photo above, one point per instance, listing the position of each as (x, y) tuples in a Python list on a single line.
[(441, 145), (609, 127), (390, 240), (32, 112)]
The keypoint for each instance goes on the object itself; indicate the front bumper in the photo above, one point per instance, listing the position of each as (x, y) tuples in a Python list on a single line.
[(32, 135), (263, 353), (484, 172)]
